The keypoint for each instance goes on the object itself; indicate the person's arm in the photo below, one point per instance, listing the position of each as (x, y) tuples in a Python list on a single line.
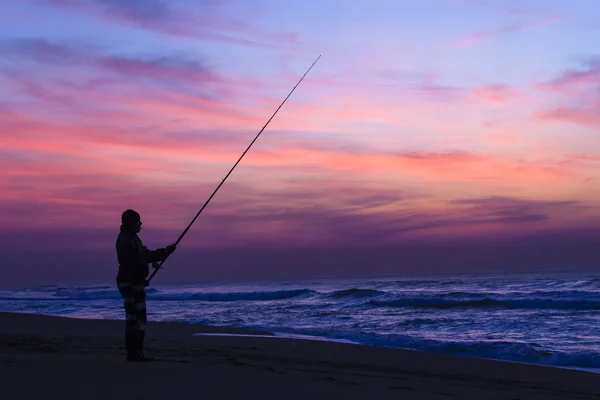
[(159, 254)]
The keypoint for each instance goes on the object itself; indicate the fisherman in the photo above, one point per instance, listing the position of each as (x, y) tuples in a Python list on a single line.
[(134, 258)]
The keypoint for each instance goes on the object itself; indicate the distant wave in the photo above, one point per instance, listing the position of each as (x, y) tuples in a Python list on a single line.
[(264, 296), (104, 292), (111, 293), (490, 303), (355, 292), (535, 299), (419, 322)]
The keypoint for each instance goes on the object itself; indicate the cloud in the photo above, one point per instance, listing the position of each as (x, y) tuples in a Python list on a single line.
[(579, 90), (204, 20), (327, 212), (43, 50), (478, 38), (505, 7), (190, 71), (574, 80), (194, 148), (406, 98), (499, 209), (66, 175), (427, 86), (184, 90), (87, 174), (171, 71), (496, 93), (109, 107), (130, 121), (123, 141), (140, 10), (68, 198), (421, 85), (587, 117)]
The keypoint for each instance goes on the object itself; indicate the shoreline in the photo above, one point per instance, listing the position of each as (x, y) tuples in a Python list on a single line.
[(72, 356), (214, 330), (281, 335)]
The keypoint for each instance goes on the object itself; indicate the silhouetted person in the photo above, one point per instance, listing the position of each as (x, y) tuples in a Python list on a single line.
[(134, 258)]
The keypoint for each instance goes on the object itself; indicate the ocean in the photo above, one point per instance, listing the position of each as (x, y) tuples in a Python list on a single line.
[(549, 318)]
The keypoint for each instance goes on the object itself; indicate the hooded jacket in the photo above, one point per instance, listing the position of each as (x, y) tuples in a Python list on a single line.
[(134, 257)]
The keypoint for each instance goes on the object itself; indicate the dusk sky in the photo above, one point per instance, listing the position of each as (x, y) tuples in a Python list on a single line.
[(432, 136)]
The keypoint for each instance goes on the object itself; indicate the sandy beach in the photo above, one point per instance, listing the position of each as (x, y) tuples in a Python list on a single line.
[(45, 357)]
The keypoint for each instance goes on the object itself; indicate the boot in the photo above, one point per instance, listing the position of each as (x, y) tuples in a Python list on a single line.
[(140, 349), (132, 343)]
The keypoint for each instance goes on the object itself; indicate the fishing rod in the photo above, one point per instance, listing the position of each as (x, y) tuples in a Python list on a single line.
[(158, 266)]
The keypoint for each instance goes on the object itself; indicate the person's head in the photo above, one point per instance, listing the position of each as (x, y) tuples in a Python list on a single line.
[(131, 220)]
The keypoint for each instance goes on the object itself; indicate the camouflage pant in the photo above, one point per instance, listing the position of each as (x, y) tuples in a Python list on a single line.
[(134, 300)]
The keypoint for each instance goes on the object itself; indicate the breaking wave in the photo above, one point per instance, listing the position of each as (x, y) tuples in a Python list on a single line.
[(111, 293), (356, 293), (489, 303)]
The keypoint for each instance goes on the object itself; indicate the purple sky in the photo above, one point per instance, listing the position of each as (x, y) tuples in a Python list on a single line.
[(432, 136)]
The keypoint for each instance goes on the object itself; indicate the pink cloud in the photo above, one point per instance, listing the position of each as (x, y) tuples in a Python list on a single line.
[(578, 89), (502, 139), (410, 87), (131, 105), (572, 80), (585, 157), (426, 85), (497, 94), (586, 117), (91, 141)]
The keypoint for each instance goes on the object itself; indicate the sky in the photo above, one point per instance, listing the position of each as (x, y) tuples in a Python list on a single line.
[(437, 136)]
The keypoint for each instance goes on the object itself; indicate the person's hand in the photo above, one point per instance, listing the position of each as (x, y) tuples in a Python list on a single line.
[(156, 265), (171, 248), (146, 283)]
